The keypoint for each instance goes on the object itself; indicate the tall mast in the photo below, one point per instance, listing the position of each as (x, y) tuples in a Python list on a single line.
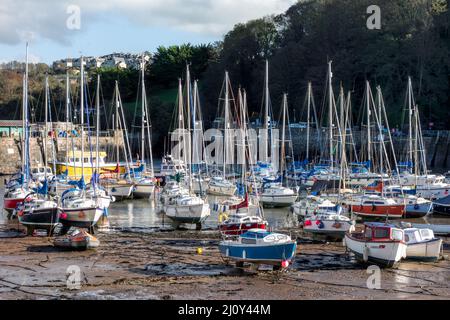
[(330, 111), (25, 122), (369, 149), (283, 133), (82, 116), (45, 127), (308, 117), (410, 112), (143, 109), (67, 116), (97, 111), (226, 120), (266, 111), (117, 130), (181, 117)]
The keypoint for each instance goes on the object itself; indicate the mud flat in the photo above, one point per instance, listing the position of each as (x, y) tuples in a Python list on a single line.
[(166, 265)]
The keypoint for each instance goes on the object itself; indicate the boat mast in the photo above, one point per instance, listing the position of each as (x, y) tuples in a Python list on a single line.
[(45, 127), (143, 109), (97, 107), (67, 116), (308, 117), (266, 112), (26, 123), (283, 133), (188, 107), (410, 112), (226, 120), (369, 149), (82, 116), (116, 131), (330, 112), (147, 119)]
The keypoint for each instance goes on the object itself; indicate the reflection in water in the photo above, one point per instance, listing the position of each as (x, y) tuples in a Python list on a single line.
[(145, 214)]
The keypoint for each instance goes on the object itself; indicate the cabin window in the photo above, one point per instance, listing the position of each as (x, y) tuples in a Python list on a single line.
[(34, 170), (426, 234), (164, 167), (41, 170), (381, 233), (77, 159), (397, 234), (368, 233), (86, 160), (248, 241), (49, 170)]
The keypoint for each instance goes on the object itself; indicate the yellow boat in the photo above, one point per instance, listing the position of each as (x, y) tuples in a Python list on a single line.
[(73, 165)]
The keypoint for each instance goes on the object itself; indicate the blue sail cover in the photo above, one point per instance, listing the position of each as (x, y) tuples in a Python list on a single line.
[(43, 189), (407, 164), (95, 179)]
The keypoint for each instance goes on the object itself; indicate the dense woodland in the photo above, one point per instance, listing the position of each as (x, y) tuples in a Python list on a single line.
[(413, 40)]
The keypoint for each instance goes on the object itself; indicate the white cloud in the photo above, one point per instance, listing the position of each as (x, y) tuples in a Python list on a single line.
[(29, 19)]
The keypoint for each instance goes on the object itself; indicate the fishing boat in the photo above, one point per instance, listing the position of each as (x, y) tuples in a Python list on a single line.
[(77, 239), (422, 244), (258, 246), (379, 243)]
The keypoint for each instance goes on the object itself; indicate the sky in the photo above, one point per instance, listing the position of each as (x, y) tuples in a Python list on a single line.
[(57, 29)]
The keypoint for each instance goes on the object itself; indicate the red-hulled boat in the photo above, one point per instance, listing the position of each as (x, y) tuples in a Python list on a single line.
[(13, 198), (377, 206), (240, 220)]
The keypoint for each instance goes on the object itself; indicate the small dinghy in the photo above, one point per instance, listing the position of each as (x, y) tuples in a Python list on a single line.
[(422, 244), (77, 239), (259, 246), (379, 243)]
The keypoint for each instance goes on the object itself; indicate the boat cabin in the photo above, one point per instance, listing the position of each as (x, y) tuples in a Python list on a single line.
[(415, 235), (377, 231)]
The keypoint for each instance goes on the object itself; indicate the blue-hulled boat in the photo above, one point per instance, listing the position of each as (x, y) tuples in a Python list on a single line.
[(259, 246)]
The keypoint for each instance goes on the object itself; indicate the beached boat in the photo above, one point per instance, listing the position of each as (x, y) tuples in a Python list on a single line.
[(38, 213), (276, 195), (187, 209), (422, 244), (144, 187), (258, 246), (309, 205), (77, 239), (379, 243), (328, 223)]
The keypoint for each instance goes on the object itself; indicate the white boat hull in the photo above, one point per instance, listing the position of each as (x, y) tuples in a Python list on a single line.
[(387, 253), (429, 250), (143, 190), (194, 214), (277, 200), (221, 190)]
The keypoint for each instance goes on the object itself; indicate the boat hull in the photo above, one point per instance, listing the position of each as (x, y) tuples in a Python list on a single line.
[(272, 254), (221, 191), (425, 251), (418, 210), (236, 229), (120, 191), (382, 253), (46, 218), (80, 217), (142, 191), (392, 211), (277, 200), (331, 228), (192, 214), (9, 204)]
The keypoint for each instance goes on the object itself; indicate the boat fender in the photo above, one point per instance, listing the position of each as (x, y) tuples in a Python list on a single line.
[(416, 206), (374, 207), (366, 254), (307, 223), (321, 225), (337, 225)]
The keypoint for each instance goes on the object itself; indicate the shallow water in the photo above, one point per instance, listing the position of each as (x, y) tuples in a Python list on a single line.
[(142, 215)]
